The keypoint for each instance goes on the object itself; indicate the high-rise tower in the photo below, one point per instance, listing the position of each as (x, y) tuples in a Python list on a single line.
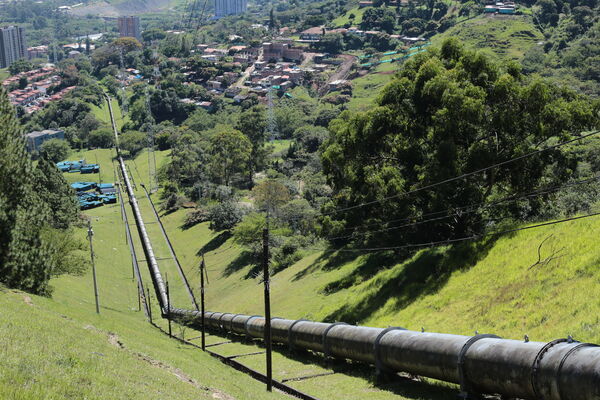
[(224, 8), (130, 27), (12, 45)]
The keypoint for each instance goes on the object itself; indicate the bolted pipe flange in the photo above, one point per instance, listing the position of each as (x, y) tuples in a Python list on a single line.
[(465, 392), (538, 360), (324, 338), (248, 335), (562, 362), (290, 336), (379, 368)]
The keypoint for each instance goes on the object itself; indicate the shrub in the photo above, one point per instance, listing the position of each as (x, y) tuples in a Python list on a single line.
[(225, 215), (195, 217)]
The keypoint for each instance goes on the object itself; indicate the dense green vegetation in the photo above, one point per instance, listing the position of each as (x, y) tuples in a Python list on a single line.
[(334, 176), (445, 115), (37, 208)]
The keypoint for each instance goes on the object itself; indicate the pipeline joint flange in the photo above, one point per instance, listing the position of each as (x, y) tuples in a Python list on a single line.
[(290, 337), (465, 391), (326, 352), (575, 348), (248, 335), (538, 360), (220, 323), (231, 323), (379, 368)]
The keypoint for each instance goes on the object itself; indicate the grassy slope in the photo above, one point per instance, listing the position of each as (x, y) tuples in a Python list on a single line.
[(66, 351), (507, 37), (366, 88), (489, 289), (344, 19), (4, 73), (101, 113)]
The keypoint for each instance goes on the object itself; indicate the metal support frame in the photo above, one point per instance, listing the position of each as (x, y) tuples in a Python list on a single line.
[(255, 353), (465, 393), (169, 309), (302, 378), (218, 344), (149, 305)]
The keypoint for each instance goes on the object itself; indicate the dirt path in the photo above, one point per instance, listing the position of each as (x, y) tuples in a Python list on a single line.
[(342, 72), (113, 339)]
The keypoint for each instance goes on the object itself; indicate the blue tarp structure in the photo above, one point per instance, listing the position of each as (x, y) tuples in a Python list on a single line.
[(90, 169), (83, 186), (89, 194), (107, 188), (89, 200), (70, 166), (78, 166)]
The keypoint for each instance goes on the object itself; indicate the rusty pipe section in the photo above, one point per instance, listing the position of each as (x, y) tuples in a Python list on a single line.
[(157, 280), (483, 364)]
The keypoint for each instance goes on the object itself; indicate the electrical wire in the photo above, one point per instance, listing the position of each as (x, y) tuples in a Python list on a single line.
[(459, 177), (201, 18), (450, 241), (465, 210)]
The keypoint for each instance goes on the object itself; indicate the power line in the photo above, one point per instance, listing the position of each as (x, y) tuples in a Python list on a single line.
[(451, 241), (459, 177), (201, 18), (464, 210)]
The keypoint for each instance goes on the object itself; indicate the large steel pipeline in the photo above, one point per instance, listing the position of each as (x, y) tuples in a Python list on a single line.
[(560, 370), (482, 364), (157, 280)]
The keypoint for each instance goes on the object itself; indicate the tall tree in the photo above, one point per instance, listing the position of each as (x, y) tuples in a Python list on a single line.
[(57, 194), (230, 152), (23, 254), (448, 112), (253, 124)]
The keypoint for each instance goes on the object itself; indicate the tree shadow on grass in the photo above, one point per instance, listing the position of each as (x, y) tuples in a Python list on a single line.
[(243, 260), (326, 262), (424, 274), (408, 387), (369, 266), (215, 243)]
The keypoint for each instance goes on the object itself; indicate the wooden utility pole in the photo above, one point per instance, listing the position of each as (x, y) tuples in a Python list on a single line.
[(90, 234), (149, 305), (202, 269), (267, 337), (169, 310)]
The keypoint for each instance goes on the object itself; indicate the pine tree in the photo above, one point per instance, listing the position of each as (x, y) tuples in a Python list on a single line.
[(272, 20), (23, 254), (53, 189)]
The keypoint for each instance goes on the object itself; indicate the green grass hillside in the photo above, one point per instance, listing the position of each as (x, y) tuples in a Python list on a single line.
[(59, 348), (496, 286), (490, 287), (505, 36), (345, 18)]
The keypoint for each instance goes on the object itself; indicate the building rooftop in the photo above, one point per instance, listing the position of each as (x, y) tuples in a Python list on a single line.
[(313, 31), (43, 133)]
